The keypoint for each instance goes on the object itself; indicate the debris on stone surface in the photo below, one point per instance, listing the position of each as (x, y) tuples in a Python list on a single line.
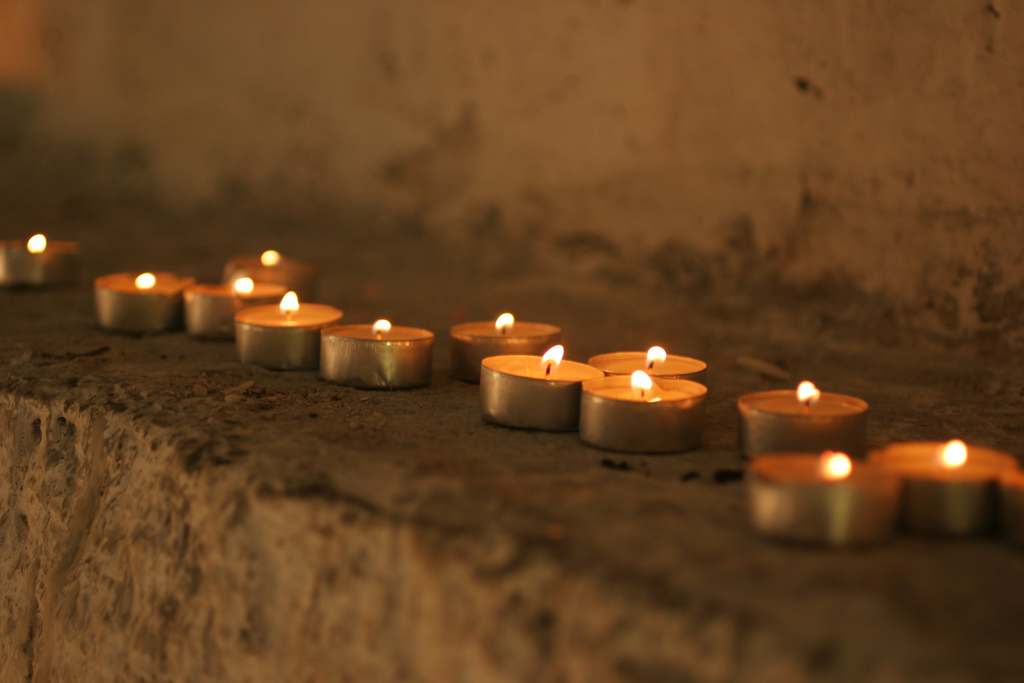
[(763, 367), (724, 476), (612, 465)]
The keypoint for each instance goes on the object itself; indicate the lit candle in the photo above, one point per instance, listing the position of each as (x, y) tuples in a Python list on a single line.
[(270, 266), (37, 262), (638, 414), (210, 309), (655, 362), (1011, 496), (472, 342), (140, 303), (534, 392), (802, 421), (951, 488), (284, 336), (824, 498), (377, 356)]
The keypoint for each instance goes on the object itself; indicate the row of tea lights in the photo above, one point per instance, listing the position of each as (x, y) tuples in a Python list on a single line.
[(811, 477)]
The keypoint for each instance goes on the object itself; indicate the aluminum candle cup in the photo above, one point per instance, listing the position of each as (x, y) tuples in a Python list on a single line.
[(354, 355), (472, 342), (667, 418), (1012, 498), (951, 501), (777, 422), (137, 304), (628, 362), (38, 263), (296, 276), (210, 309), (515, 392), (283, 340), (791, 500)]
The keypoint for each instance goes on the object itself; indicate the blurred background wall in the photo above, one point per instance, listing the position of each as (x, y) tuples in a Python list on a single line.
[(877, 145)]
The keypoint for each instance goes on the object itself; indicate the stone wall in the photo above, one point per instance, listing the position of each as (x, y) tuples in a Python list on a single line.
[(871, 145)]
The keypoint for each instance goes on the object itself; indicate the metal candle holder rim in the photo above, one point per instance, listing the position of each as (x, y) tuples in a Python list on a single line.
[(806, 464), (216, 289), (543, 330), (748, 403), (622, 381), (986, 464), (333, 330), (520, 378), (616, 355), (248, 260), (183, 283)]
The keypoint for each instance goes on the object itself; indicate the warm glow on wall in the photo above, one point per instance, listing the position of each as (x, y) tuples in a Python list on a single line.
[(20, 45)]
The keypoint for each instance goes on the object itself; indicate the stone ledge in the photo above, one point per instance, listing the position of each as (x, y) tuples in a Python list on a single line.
[(169, 514)]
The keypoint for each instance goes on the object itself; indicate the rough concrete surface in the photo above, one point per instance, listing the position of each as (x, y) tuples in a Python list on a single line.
[(169, 514)]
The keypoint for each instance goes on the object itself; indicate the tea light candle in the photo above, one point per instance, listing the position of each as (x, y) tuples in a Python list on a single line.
[(210, 309), (1012, 497), (802, 421), (284, 336), (826, 499), (270, 266), (655, 362), (472, 342), (950, 489), (534, 392), (377, 356), (140, 303), (637, 414), (38, 262)]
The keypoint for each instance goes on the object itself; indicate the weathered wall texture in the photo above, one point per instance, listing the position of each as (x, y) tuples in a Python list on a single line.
[(880, 144)]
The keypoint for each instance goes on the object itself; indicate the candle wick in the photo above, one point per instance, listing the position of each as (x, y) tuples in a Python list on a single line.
[(650, 366), (547, 372), (379, 335)]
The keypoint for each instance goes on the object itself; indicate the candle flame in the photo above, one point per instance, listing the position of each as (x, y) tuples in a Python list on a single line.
[(289, 303), (655, 354), (380, 327), (36, 244), (953, 454), (835, 466), (270, 258), (807, 393), (145, 281), (552, 357), (641, 382), (244, 285), (504, 323)]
